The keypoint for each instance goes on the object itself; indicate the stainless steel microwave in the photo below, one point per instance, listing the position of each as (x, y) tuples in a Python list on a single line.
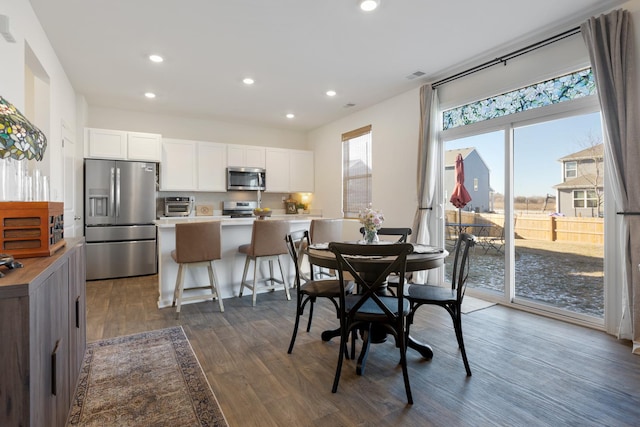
[(246, 179)]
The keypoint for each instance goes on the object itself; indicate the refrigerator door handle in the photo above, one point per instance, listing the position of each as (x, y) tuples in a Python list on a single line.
[(112, 193), (117, 192)]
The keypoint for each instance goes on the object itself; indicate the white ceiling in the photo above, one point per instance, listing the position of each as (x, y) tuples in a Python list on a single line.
[(295, 50)]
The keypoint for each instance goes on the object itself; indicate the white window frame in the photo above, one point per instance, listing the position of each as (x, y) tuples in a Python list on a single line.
[(506, 123), (587, 196), (569, 167)]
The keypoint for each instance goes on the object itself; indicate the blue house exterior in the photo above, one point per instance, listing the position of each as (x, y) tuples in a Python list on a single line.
[(476, 179)]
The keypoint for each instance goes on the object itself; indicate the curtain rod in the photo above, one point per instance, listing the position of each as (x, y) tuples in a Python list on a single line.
[(503, 59)]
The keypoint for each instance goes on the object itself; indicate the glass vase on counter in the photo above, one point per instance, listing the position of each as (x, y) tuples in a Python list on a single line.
[(18, 184)]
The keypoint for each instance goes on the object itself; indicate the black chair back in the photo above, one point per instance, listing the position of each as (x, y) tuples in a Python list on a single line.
[(461, 261), (402, 232), (297, 242)]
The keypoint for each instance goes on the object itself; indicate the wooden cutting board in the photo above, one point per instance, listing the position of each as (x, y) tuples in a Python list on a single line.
[(204, 210)]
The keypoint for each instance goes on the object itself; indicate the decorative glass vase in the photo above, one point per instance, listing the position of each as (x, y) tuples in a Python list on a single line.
[(371, 236)]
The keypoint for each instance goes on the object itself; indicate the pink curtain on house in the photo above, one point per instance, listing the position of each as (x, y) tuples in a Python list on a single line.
[(610, 41)]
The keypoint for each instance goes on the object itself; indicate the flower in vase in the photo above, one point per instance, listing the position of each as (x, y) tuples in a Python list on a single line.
[(371, 219)]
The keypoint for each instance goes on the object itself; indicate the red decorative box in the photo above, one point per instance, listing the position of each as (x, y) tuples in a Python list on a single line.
[(31, 229)]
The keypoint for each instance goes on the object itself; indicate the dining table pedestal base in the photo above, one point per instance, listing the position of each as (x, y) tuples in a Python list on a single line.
[(425, 350)]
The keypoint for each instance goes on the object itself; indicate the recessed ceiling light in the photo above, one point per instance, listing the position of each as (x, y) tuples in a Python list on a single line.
[(150, 95), (248, 81), (156, 58), (369, 5), (331, 93), (290, 116)]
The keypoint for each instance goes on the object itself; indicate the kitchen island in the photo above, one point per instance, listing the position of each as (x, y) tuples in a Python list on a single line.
[(235, 232)]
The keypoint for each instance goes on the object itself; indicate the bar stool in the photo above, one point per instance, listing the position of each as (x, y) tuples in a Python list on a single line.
[(267, 244), (198, 245), (324, 231)]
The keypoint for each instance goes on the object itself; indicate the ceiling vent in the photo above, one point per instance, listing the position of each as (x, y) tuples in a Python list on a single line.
[(349, 105), (416, 74)]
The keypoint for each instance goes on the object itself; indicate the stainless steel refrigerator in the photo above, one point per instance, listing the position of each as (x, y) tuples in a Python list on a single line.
[(120, 206)]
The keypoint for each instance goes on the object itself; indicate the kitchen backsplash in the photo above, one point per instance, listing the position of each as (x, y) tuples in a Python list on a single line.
[(269, 200)]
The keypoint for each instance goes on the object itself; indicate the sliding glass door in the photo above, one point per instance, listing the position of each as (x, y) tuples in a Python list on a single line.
[(558, 199), (538, 216), (484, 177)]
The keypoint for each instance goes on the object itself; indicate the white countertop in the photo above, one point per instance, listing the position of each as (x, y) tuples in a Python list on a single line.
[(163, 222)]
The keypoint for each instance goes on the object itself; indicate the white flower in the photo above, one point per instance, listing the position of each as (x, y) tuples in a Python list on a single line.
[(371, 219)]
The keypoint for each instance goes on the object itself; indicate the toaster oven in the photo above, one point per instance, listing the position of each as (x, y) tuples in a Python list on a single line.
[(178, 206)]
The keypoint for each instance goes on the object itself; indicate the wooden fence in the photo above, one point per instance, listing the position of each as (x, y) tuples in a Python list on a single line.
[(539, 227)]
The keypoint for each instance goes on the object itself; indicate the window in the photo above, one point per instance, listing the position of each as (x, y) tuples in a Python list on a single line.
[(570, 169), (564, 88), (356, 171), (585, 199), (475, 184)]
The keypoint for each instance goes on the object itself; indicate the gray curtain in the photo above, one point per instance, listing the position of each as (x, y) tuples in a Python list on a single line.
[(424, 217), (610, 41)]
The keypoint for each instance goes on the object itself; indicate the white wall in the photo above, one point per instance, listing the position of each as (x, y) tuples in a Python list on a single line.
[(173, 126), (26, 29), (395, 124)]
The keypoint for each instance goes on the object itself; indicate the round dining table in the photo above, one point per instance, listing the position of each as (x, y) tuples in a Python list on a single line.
[(424, 257)]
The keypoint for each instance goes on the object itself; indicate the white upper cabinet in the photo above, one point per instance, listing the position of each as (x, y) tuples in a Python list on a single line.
[(289, 171), (202, 166), (178, 166), (301, 171), (105, 144), (193, 166), (122, 145), (245, 156), (277, 167), (212, 166), (144, 146)]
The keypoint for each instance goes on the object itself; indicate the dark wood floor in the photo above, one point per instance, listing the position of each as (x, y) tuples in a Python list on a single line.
[(527, 370)]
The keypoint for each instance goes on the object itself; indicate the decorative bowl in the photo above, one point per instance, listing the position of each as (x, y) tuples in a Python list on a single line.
[(262, 213)]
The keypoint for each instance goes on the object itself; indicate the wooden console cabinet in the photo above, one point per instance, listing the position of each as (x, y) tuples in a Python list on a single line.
[(42, 336)]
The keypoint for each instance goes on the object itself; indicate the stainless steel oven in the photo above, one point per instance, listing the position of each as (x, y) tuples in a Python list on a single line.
[(178, 206)]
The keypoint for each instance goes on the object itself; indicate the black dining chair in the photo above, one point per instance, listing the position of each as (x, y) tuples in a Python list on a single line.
[(402, 234), (448, 297), (308, 292), (369, 307)]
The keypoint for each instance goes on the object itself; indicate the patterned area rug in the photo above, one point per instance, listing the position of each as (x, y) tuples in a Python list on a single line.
[(147, 379)]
